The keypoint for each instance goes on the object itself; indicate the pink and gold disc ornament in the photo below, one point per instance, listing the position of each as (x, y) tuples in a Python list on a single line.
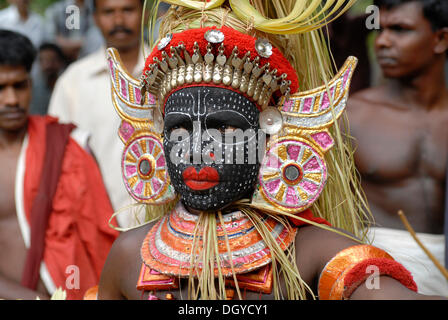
[(144, 169), (292, 175)]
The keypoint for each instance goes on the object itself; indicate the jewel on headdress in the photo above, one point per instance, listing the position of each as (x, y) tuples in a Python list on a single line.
[(219, 65), (263, 47), (271, 120), (165, 41), (214, 36)]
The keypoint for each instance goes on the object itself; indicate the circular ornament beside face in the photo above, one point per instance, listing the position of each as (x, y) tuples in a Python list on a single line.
[(293, 174), (144, 169), (271, 120)]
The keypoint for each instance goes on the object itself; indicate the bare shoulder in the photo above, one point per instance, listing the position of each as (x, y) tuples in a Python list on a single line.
[(366, 100), (127, 240), (367, 95), (367, 108), (122, 266), (317, 246)]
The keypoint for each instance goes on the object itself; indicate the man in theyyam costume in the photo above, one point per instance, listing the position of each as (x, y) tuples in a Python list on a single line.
[(242, 163)]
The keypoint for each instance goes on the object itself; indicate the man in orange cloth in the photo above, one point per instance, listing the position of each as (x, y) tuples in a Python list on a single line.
[(54, 209)]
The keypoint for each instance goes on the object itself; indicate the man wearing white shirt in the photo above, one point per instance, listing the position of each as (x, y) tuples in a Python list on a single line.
[(18, 17), (82, 93), (76, 41)]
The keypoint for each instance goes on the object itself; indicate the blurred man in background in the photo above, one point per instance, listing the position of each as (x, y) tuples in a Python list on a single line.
[(82, 93), (19, 17), (70, 25), (401, 134), (51, 63)]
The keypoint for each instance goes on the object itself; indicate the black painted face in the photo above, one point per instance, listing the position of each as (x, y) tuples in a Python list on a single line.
[(210, 143)]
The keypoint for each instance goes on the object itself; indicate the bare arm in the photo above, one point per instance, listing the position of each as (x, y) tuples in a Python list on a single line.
[(388, 289), (121, 270), (109, 286), (316, 247)]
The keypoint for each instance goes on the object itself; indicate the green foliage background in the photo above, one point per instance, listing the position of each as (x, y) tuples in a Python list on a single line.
[(38, 6), (360, 6)]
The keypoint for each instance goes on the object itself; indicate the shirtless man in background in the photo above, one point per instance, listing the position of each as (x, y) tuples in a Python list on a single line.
[(54, 209), (15, 96), (401, 134)]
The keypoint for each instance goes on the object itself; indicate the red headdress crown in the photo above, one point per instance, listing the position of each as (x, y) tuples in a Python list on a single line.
[(221, 57)]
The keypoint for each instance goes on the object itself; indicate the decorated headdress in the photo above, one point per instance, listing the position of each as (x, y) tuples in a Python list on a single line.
[(231, 45)]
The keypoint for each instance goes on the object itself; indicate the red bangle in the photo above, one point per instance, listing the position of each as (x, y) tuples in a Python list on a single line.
[(358, 274), (347, 270)]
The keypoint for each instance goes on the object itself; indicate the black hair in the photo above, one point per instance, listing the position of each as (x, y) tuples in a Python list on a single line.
[(435, 11), (94, 7), (53, 47), (16, 50)]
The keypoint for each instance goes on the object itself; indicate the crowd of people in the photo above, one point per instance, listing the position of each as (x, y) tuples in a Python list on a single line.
[(62, 171), (67, 29)]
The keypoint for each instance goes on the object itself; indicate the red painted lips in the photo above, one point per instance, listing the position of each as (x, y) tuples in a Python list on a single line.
[(205, 179)]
